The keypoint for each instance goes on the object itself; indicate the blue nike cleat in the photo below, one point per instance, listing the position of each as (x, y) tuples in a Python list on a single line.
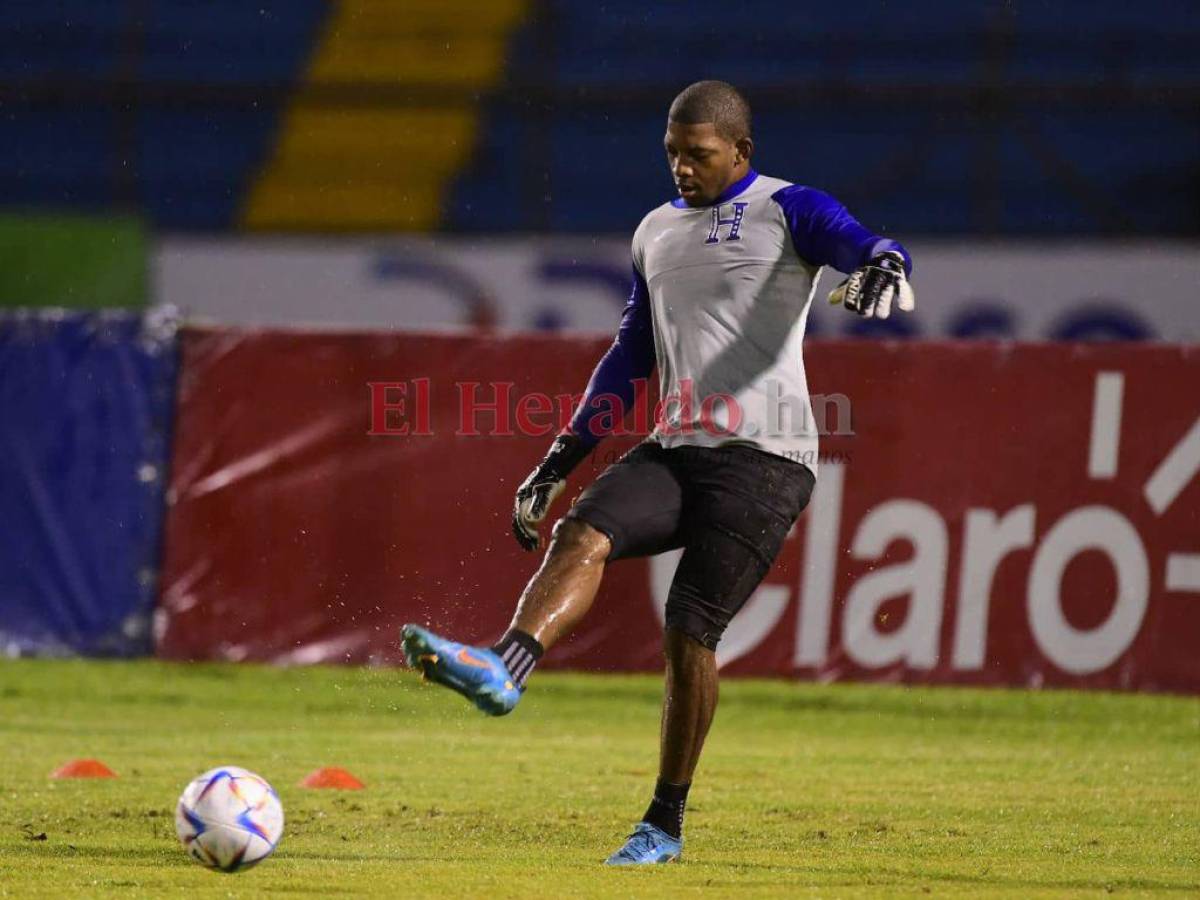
[(475, 672), (646, 846)]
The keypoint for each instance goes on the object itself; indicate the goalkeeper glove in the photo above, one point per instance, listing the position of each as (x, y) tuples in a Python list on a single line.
[(870, 289), (543, 485)]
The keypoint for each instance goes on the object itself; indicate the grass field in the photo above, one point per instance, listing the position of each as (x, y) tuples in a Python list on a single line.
[(805, 790)]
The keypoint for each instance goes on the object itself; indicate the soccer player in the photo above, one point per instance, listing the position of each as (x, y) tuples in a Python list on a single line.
[(722, 280)]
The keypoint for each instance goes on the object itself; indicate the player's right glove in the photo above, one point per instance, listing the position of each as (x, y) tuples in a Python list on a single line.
[(870, 289), (544, 483)]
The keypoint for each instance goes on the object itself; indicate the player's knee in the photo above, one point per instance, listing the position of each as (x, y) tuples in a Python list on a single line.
[(580, 540), (682, 649), (693, 624)]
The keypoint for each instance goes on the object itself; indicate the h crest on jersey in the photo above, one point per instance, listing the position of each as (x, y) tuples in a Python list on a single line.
[(734, 223)]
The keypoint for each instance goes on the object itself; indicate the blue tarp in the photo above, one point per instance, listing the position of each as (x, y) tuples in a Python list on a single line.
[(86, 405)]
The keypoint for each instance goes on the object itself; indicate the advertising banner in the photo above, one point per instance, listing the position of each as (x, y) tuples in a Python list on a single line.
[(984, 513), (1098, 290)]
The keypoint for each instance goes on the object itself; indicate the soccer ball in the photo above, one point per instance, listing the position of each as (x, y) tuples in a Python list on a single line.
[(229, 819)]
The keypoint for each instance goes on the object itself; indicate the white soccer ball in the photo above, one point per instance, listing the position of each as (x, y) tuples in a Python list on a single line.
[(229, 819)]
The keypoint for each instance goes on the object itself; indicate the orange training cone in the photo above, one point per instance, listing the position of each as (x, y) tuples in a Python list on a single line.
[(332, 777), (83, 768)]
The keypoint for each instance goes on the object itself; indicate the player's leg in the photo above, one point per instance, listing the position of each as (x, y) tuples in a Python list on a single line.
[(631, 509), (557, 596), (562, 590), (745, 502), (741, 504), (691, 700), (688, 706)]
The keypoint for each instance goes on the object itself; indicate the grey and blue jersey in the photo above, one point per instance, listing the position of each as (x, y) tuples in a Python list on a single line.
[(720, 299)]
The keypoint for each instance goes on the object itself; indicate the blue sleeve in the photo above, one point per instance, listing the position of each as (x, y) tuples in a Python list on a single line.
[(630, 357), (825, 234)]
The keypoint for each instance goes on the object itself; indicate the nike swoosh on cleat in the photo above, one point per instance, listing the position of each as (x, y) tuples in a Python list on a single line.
[(465, 657)]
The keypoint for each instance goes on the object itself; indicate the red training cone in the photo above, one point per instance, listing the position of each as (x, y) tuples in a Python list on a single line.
[(332, 777), (83, 768)]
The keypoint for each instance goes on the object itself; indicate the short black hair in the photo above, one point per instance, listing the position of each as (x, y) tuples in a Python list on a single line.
[(716, 102)]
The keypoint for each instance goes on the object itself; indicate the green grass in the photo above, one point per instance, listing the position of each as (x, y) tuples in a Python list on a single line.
[(804, 790)]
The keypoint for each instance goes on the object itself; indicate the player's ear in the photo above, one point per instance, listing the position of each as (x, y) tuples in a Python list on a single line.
[(745, 149)]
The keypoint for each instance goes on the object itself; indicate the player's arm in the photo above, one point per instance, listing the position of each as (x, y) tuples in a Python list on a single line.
[(610, 393), (825, 234)]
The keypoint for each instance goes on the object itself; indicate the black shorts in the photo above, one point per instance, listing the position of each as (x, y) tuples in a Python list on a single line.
[(729, 507)]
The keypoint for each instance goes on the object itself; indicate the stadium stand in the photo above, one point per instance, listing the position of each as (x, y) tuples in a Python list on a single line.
[(1029, 146), (383, 165), (529, 116), (165, 109)]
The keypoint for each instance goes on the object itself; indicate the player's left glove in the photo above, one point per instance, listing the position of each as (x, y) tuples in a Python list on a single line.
[(870, 289), (543, 485)]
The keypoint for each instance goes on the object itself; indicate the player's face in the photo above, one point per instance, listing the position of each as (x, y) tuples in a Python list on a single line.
[(702, 162)]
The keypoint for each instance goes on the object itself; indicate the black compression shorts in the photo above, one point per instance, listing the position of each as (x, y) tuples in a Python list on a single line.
[(729, 507)]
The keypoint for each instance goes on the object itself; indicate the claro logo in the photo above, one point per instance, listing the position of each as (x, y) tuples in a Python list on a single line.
[(988, 537)]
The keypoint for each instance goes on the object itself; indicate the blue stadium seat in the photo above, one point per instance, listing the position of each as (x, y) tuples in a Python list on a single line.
[(184, 166)]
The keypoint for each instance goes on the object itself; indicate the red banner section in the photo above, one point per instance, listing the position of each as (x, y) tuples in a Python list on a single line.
[(984, 514)]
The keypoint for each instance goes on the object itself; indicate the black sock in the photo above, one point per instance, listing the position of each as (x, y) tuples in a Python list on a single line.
[(520, 652), (666, 809)]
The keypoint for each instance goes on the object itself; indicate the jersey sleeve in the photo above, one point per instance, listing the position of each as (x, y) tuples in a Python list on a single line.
[(825, 234), (614, 380)]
